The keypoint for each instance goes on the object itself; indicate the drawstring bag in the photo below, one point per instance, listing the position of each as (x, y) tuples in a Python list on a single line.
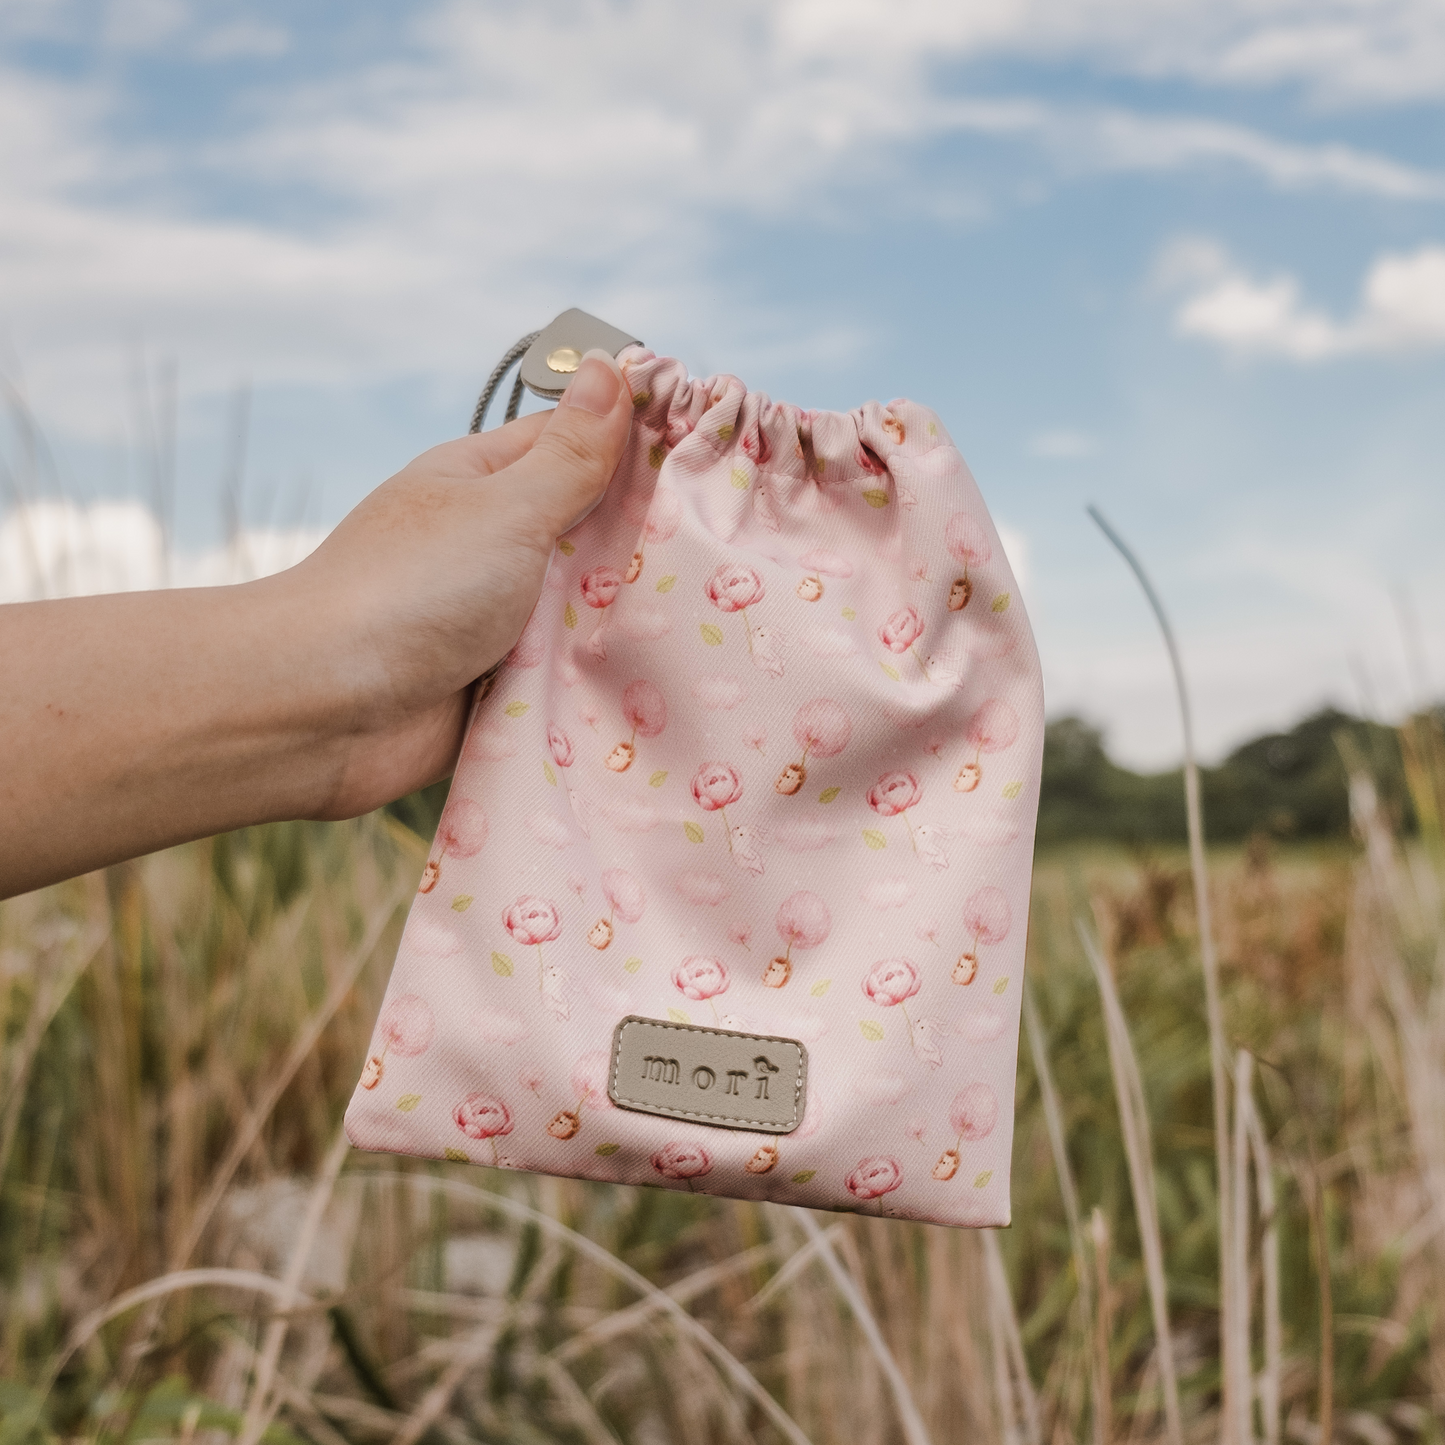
[(730, 891)]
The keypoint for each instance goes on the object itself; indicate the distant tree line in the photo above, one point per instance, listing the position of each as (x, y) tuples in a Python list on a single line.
[(1289, 785)]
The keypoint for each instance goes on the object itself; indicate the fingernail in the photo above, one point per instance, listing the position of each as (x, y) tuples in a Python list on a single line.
[(596, 384)]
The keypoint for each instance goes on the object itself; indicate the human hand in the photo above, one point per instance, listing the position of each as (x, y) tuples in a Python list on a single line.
[(430, 580), (148, 718)]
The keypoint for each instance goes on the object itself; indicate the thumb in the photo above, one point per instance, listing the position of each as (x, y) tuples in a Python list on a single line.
[(568, 467)]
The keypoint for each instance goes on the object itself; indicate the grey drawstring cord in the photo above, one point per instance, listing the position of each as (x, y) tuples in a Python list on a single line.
[(484, 401)]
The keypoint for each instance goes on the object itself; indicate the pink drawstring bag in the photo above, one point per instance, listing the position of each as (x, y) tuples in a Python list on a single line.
[(731, 890)]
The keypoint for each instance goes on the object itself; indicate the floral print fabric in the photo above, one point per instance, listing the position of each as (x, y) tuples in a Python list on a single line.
[(766, 757)]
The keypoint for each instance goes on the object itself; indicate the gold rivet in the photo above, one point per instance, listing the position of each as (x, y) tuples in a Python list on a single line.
[(564, 359)]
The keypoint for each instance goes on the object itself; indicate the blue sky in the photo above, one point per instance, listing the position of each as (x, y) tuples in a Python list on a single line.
[(1184, 258)]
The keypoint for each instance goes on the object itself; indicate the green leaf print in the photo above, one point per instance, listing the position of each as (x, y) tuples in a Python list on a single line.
[(712, 634), (849, 614), (565, 547), (632, 965), (874, 839), (606, 1151), (891, 671), (1001, 985), (693, 831), (677, 1016), (804, 1176), (656, 455), (1012, 790), (457, 1157), (725, 431), (658, 778), (517, 708), (1000, 603), (983, 1179), (871, 1030), (548, 773), (461, 902), (666, 584), (569, 615), (821, 987), (740, 478), (408, 1102), (642, 398), (828, 794), (502, 965), (876, 497)]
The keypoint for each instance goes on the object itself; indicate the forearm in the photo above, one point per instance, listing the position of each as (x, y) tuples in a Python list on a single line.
[(132, 722)]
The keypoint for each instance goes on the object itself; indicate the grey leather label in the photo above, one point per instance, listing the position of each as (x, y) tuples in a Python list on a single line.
[(574, 329), (709, 1076)]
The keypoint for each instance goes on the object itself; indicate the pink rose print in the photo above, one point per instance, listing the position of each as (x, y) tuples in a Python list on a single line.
[(803, 921), (890, 983), (461, 833), (968, 543), (560, 744), (994, 727), (735, 587), (875, 1177), (600, 586), (893, 795), (902, 629), (820, 564), (532, 920), (644, 706), (820, 727), (479, 1116), (716, 785), (987, 916), (892, 980), (682, 1161), (625, 899), (701, 978), (405, 1028)]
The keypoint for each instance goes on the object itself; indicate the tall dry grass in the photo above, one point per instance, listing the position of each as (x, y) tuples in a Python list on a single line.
[(188, 1252)]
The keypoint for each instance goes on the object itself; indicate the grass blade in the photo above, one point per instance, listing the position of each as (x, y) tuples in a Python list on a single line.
[(914, 1430), (1134, 1117), (1218, 1065)]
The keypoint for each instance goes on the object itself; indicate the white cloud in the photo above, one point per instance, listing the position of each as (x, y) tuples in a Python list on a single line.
[(1401, 306), (63, 549), (501, 162), (1389, 51)]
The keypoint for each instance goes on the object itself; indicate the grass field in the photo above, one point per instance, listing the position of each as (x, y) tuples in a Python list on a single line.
[(188, 1250)]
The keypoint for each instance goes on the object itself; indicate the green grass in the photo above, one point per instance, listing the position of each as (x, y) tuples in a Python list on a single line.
[(159, 1115)]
